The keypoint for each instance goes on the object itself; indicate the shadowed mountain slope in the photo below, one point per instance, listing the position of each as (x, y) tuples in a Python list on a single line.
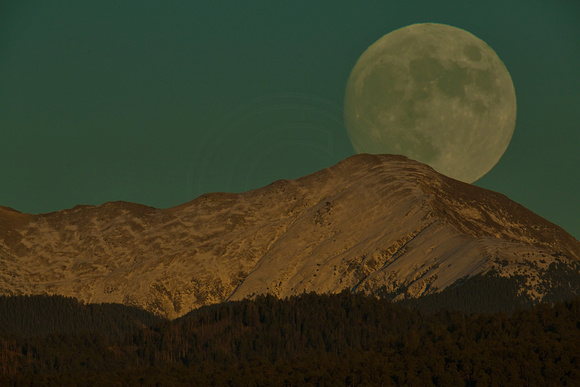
[(377, 224)]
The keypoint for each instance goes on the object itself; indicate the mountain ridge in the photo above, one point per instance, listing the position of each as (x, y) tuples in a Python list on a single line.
[(371, 223)]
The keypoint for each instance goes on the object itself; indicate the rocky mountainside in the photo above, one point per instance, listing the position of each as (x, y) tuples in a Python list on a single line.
[(378, 224)]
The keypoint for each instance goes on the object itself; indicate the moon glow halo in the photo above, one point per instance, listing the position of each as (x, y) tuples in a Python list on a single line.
[(436, 94)]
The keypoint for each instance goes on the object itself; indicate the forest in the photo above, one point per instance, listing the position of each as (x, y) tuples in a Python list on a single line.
[(312, 339)]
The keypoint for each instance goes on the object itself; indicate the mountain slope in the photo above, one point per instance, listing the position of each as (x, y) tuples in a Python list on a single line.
[(371, 223)]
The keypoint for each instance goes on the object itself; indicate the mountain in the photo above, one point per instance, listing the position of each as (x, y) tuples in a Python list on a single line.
[(378, 224)]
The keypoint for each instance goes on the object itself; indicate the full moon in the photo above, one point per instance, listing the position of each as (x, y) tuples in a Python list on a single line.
[(436, 94)]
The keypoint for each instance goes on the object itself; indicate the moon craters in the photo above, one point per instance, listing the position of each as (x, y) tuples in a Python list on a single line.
[(436, 94), (472, 52)]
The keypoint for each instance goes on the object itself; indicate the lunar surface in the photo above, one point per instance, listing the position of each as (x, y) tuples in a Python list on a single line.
[(436, 94)]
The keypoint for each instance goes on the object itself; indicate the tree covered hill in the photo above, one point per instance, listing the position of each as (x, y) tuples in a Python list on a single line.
[(311, 339), (42, 315)]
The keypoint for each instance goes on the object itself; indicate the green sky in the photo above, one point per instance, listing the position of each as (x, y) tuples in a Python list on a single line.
[(157, 102)]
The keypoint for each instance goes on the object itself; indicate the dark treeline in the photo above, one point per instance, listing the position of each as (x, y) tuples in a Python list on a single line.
[(479, 294), (492, 293), (41, 315), (341, 339)]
